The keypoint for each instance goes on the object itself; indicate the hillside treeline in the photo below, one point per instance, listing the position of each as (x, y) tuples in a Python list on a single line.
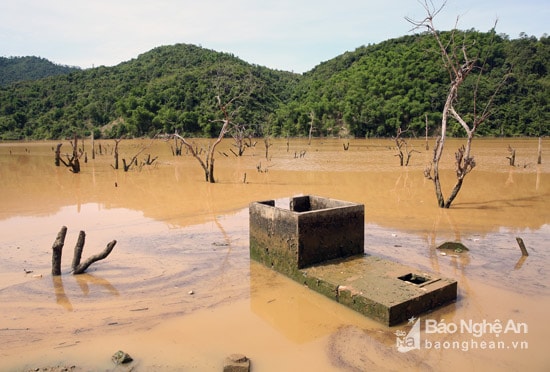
[(372, 91), (16, 69)]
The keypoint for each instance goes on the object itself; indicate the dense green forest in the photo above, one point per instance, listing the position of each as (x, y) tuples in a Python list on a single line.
[(372, 91), (16, 69)]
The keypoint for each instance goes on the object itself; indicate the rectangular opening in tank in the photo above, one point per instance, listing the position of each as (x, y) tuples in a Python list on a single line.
[(414, 278)]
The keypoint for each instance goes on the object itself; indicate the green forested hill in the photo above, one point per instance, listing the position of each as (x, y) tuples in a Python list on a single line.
[(379, 88), (371, 91), (16, 69), (166, 89)]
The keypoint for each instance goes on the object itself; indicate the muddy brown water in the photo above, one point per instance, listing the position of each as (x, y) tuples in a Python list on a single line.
[(179, 291)]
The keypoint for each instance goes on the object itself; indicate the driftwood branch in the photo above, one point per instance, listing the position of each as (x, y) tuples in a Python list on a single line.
[(97, 257)]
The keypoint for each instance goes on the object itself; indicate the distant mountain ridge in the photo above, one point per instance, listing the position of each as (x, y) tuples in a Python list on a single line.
[(369, 92), (15, 69)]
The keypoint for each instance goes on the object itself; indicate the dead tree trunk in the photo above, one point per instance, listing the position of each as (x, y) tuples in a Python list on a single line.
[(77, 267), (82, 267), (312, 116), (127, 166), (134, 160), (57, 250), (267, 145), (58, 155), (402, 148), (208, 164), (74, 162), (539, 158), (148, 160), (512, 156), (177, 150), (93, 146), (78, 249), (116, 152), (238, 132), (464, 164), (459, 65)]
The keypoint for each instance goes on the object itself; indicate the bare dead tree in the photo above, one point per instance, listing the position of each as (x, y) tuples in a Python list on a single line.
[(265, 129), (126, 166), (208, 163), (459, 65), (134, 160), (403, 148), (267, 144), (539, 157), (77, 266), (148, 160), (57, 250), (73, 161), (93, 145), (176, 149), (512, 157), (117, 141), (58, 154), (239, 132), (229, 110), (311, 128)]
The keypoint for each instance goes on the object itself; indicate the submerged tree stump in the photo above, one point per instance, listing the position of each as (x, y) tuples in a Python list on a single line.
[(58, 155), (512, 156), (57, 250), (539, 157), (77, 266)]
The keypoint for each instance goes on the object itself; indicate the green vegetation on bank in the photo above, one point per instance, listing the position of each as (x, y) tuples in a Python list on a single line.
[(371, 91)]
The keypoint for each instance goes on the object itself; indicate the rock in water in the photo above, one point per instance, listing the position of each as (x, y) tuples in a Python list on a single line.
[(120, 357), (236, 363), (457, 247)]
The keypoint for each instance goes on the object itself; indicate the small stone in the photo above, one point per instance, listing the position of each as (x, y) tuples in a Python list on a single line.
[(191, 292), (236, 363), (120, 357), (457, 247), (237, 358)]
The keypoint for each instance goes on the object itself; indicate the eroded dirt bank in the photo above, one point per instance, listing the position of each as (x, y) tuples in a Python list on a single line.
[(178, 234)]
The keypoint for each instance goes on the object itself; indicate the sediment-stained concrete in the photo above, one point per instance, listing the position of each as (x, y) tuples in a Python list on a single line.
[(319, 242)]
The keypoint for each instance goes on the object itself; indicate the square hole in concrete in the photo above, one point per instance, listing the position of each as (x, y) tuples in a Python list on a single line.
[(414, 279)]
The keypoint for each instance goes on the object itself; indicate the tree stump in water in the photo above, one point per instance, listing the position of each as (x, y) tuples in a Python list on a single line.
[(57, 250), (512, 156), (77, 266)]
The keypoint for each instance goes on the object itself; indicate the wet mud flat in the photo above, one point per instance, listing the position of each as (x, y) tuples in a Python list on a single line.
[(177, 236)]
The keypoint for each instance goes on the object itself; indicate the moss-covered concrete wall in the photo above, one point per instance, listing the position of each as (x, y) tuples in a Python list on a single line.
[(311, 231)]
